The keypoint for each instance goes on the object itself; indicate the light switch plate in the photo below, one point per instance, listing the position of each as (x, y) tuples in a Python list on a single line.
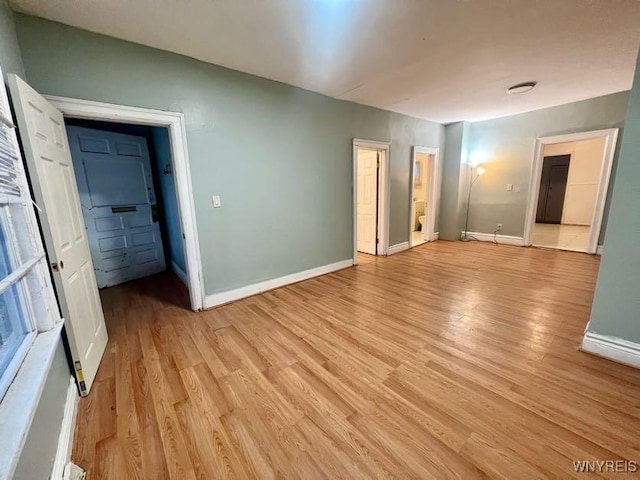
[(509, 187), (216, 201)]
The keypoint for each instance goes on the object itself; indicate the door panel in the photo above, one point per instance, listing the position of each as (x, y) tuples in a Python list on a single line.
[(555, 196), (553, 185), (116, 190), (367, 201), (111, 181), (50, 170)]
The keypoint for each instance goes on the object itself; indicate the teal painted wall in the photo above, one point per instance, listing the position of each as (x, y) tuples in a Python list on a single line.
[(509, 143), (167, 186), (279, 157), (10, 59), (40, 446), (455, 150), (616, 303), (37, 455)]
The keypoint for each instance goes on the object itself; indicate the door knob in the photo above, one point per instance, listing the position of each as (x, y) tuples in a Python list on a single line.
[(57, 266)]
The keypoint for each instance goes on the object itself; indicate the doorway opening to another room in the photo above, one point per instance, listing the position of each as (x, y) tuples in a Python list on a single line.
[(125, 180), (166, 136), (568, 190), (424, 195), (370, 198)]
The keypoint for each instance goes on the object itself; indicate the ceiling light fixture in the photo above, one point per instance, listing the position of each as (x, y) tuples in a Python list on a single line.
[(521, 88)]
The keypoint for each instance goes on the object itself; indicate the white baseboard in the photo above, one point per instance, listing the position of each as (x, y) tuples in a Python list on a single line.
[(221, 298), (613, 348), (490, 237), (65, 440), (400, 247), (181, 274), (436, 236), (599, 249)]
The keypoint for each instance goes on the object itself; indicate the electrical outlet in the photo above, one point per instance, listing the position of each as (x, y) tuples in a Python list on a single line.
[(499, 229)]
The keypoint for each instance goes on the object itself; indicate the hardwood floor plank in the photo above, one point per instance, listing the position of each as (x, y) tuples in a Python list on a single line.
[(152, 455)]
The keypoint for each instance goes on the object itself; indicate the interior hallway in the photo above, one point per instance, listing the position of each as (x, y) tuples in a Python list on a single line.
[(450, 360)]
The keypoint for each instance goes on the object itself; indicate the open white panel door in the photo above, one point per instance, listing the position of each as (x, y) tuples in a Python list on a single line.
[(367, 201), (50, 169)]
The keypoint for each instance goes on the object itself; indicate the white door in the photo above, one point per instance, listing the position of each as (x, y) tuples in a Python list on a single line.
[(115, 182), (50, 169), (367, 208)]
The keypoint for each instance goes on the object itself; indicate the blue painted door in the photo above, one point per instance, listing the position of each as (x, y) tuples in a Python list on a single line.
[(115, 183)]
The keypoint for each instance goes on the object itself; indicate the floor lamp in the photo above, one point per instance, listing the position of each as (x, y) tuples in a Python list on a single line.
[(475, 173)]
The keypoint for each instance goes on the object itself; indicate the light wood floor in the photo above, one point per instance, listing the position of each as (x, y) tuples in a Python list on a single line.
[(451, 360)]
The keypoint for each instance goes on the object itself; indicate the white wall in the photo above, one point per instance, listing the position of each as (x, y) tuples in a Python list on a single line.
[(583, 179)]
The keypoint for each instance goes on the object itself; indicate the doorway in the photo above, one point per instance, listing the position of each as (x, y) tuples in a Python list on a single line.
[(370, 199), (128, 198), (177, 163), (568, 190), (553, 187), (51, 173), (424, 195)]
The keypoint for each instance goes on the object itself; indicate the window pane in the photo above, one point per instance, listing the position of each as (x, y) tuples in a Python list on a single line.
[(23, 247), (6, 265), (12, 325)]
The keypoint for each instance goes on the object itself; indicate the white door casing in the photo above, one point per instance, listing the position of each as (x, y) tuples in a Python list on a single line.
[(50, 169), (432, 185), (176, 124), (367, 204)]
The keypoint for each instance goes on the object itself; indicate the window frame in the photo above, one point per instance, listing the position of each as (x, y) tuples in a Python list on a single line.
[(28, 266), (24, 379), (20, 269)]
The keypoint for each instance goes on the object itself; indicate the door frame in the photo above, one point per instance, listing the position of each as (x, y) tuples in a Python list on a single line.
[(610, 135), (175, 122), (382, 246), (433, 184)]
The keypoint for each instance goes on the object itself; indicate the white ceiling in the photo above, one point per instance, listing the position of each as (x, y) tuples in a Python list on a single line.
[(442, 60)]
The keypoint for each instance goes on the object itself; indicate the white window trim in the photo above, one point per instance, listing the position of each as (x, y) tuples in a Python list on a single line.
[(19, 404), (28, 371)]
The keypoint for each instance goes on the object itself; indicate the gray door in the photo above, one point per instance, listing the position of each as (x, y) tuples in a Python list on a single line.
[(115, 183), (553, 186)]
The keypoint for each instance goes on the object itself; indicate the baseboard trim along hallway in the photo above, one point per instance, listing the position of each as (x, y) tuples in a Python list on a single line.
[(221, 298), (612, 348), (65, 440), (490, 237), (181, 274), (400, 247)]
